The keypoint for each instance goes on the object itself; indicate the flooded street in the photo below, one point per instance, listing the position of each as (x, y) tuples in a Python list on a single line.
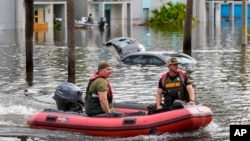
[(221, 78)]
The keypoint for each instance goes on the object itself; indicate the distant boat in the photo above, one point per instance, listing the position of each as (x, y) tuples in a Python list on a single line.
[(84, 24)]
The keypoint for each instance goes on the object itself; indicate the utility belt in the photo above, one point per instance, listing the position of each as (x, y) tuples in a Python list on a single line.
[(172, 93), (170, 96)]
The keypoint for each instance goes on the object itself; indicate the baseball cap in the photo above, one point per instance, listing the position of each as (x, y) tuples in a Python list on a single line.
[(172, 61), (103, 65)]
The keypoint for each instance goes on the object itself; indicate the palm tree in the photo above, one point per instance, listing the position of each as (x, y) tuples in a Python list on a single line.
[(71, 41), (29, 22)]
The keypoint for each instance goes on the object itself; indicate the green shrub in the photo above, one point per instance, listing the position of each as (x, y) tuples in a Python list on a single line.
[(169, 14), (57, 26)]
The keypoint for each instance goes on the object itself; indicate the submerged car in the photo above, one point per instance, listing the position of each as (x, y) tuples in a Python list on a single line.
[(125, 45), (158, 58)]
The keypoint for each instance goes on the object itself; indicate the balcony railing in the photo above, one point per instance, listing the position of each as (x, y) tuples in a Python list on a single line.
[(108, 0), (48, 0), (224, 0), (88, 0)]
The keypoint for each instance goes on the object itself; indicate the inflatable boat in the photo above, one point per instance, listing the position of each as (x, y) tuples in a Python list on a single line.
[(134, 121)]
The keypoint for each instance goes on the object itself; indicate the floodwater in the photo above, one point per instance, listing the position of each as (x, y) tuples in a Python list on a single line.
[(221, 77)]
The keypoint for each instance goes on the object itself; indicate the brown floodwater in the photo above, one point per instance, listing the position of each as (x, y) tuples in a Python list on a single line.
[(221, 77)]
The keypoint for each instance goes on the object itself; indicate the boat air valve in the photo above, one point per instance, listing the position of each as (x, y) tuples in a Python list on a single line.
[(153, 131)]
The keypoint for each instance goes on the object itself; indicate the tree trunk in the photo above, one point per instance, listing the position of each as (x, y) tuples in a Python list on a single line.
[(29, 23), (71, 41), (187, 43)]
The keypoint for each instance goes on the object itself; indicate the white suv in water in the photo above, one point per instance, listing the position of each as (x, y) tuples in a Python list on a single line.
[(158, 58), (125, 45)]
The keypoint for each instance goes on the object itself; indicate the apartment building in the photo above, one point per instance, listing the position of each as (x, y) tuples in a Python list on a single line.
[(117, 12), (12, 14), (124, 11)]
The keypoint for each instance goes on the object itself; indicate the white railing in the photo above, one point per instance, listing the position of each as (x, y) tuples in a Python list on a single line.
[(48, 0), (224, 0), (107, 0)]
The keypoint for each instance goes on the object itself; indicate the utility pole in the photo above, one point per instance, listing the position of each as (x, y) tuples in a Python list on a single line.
[(187, 42), (71, 40), (29, 23), (244, 23)]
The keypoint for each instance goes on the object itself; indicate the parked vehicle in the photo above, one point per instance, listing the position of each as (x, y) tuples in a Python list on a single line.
[(125, 45), (158, 58)]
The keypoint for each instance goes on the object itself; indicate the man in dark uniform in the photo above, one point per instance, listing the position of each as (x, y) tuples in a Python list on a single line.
[(176, 88)]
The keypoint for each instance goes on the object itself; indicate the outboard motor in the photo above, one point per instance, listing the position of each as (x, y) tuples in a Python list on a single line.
[(68, 97)]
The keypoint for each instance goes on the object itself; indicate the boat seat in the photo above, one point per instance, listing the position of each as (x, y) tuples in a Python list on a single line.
[(118, 114)]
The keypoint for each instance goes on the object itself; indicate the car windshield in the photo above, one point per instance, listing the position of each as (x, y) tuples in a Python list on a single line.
[(185, 60), (166, 56), (182, 59), (143, 59), (135, 60)]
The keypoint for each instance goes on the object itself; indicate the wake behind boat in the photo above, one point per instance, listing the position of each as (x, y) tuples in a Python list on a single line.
[(135, 121)]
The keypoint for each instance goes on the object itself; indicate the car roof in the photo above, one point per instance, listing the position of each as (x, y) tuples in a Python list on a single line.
[(121, 41), (162, 54), (153, 53)]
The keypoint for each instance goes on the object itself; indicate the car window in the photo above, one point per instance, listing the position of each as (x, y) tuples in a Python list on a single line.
[(143, 60), (152, 60), (135, 60)]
